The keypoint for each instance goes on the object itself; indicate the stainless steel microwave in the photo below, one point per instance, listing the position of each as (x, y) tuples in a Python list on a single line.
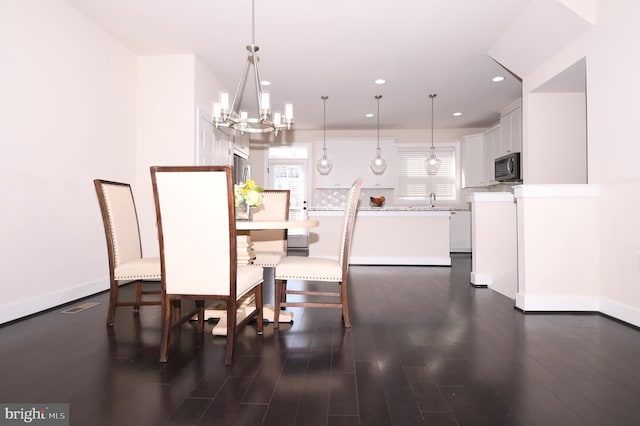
[(507, 168)]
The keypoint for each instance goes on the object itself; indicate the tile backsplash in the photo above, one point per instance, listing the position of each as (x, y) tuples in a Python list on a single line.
[(336, 198)]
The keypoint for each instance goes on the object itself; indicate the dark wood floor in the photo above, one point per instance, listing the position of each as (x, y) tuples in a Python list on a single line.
[(425, 349)]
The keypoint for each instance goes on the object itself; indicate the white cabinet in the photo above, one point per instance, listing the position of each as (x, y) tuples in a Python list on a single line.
[(213, 146), (345, 158), (491, 144), (350, 159), (511, 132), (460, 231), (473, 162)]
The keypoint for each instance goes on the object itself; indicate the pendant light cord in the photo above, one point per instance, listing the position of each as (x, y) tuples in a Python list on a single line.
[(378, 116), (432, 96), (253, 22), (324, 121)]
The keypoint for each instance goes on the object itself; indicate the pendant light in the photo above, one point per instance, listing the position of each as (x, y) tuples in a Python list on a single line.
[(378, 164), (432, 163), (324, 165)]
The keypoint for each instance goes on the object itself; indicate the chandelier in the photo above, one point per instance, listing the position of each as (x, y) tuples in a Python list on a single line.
[(324, 165), (378, 164), (231, 115), (432, 163)]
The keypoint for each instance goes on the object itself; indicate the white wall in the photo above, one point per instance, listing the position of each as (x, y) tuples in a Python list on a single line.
[(613, 152), (169, 90), (67, 105), (557, 138), (76, 106), (165, 129)]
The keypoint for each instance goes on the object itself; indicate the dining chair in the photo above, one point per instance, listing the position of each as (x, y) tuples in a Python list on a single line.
[(126, 262), (270, 245), (195, 212), (320, 270)]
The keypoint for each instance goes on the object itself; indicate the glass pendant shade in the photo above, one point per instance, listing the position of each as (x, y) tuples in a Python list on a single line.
[(432, 164), (324, 165), (378, 164)]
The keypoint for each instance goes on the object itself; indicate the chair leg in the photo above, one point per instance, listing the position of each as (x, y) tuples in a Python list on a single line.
[(260, 316), (200, 307), (113, 301), (177, 309), (232, 308), (165, 329), (278, 284), (345, 304), (136, 306)]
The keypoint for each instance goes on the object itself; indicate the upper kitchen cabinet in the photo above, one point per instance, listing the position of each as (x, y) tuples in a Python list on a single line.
[(511, 131), (491, 145), (473, 161), (351, 158), (345, 157)]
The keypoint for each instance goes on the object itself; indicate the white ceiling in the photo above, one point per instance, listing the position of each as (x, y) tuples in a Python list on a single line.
[(310, 48)]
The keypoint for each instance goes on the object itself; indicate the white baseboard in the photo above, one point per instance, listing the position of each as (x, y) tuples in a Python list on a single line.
[(557, 303), (481, 278), (389, 260), (619, 311), (578, 304), (23, 308)]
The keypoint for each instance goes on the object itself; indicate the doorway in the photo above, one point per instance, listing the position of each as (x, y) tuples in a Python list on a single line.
[(292, 174)]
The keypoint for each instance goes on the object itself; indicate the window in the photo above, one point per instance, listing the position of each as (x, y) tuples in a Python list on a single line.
[(414, 184)]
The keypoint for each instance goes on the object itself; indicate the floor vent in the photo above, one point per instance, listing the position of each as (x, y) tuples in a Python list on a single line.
[(79, 308)]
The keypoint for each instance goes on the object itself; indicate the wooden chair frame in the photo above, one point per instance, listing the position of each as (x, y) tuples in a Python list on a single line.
[(171, 301), (282, 273), (151, 271)]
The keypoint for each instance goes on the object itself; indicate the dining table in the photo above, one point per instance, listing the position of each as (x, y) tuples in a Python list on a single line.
[(246, 256)]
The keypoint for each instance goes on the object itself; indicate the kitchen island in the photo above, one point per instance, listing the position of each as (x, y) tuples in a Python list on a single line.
[(385, 236)]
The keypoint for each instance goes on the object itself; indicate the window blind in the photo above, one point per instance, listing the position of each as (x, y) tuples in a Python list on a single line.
[(415, 184)]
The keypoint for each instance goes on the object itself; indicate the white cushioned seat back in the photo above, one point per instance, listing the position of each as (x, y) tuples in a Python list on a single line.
[(275, 206), (349, 220), (195, 225), (123, 219)]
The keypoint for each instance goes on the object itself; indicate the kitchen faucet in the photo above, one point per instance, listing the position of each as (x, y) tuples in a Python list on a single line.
[(432, 199)]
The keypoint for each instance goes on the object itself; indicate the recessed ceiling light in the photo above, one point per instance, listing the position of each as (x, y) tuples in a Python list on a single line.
[(369, 115), (380, 81), (457, 114), (497, 78), (265, 83)]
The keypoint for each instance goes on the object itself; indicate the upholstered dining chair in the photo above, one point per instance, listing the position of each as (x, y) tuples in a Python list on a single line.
[(270, 245), (126, 262), (195, 212), (320, 270)]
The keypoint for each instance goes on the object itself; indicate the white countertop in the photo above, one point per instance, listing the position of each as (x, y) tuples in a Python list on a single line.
[(420, 208), (382, 211)]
